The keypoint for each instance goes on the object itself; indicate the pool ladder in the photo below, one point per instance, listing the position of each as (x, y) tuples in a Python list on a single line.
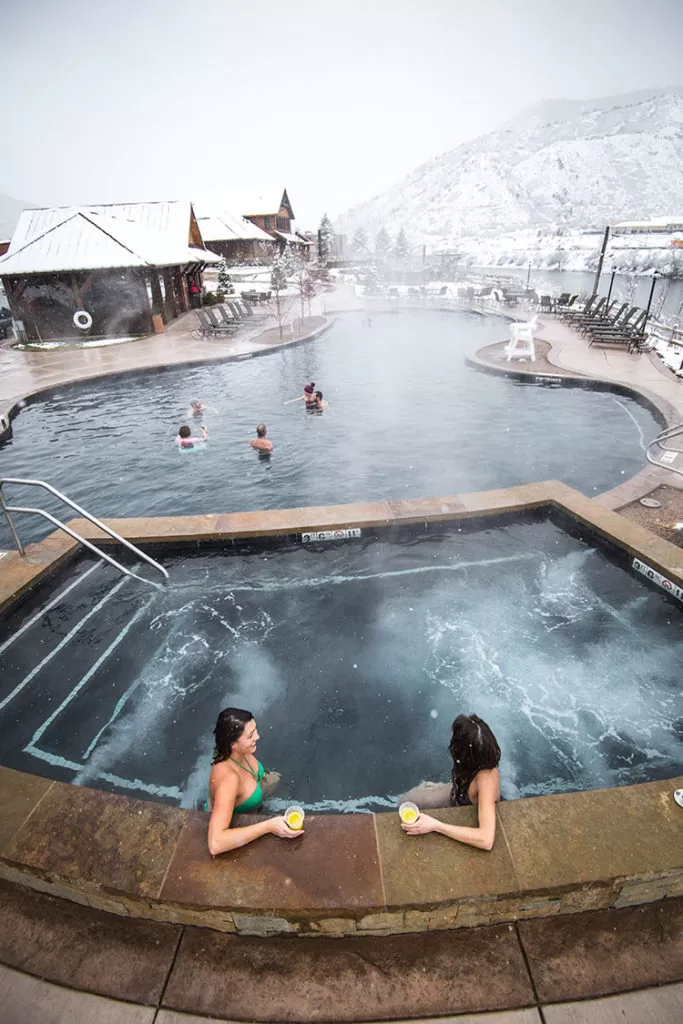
[(7, 509), (659, 441)]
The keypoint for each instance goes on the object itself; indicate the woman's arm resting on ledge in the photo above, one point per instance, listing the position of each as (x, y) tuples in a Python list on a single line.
[(483, 836), (223, 838)]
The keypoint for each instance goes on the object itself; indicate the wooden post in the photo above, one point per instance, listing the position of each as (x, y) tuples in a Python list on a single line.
[(605, 240)]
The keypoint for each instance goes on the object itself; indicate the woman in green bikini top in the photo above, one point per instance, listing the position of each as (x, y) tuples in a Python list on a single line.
[(235, 785)]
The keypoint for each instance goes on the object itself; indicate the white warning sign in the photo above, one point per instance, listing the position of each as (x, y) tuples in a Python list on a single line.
[(656, 577), (352, 531)]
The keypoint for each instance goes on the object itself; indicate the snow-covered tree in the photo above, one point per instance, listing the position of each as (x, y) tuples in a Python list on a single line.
[(280, 302), (360, 243), (303, 282), (371, 281), (326, 242), (401, 248), (225, 285), (382, 244)]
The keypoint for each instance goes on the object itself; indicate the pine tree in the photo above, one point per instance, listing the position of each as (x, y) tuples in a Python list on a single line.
[(382, 244), (401, 248), (225, 285), (326, 241), (360, 243)]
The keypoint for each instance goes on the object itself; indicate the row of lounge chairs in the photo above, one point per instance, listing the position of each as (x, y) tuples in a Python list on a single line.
[(223, 319), (605, 324)]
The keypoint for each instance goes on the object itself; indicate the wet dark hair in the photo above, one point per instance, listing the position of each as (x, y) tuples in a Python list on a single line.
[(184, 432), (261, 430), (319, 395), (229, 727), (473, 747)]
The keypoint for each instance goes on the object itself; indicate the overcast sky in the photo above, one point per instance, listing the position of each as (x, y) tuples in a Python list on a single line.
[(143, 99)]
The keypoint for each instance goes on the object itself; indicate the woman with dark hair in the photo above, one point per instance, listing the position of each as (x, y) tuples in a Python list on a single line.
[(475, 779), (235, 785)]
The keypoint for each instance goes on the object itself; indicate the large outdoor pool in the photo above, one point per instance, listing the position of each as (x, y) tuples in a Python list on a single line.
[(355, 658), (406, 418)]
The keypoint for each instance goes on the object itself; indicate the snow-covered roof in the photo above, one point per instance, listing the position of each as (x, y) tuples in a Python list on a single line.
[(287, 236), (255, 202), (221, 225), (654, 222), (99, 237)]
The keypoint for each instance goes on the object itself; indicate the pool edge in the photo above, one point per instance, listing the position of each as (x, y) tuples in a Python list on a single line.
[(507, 885)]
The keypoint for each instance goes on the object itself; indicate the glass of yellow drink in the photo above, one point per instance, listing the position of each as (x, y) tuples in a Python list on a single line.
[(294, 816), (409, 813)]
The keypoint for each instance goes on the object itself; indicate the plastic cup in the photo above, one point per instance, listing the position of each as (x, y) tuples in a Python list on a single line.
[(409, 813), (294, 816)]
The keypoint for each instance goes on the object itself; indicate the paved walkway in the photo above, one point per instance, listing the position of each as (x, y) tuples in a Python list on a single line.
[(28, 1000), (63, 963)]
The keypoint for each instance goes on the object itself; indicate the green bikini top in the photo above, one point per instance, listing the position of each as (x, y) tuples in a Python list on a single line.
[(256, 798)]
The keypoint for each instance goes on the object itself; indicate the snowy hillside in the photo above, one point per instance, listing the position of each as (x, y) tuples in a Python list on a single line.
[(9, 215), (620, 160)]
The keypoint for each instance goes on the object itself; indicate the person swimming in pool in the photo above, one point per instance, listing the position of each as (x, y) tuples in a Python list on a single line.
[(308, 396), (319, 403), (237, 785), (184, 437), (475, 779), (196, 409), (261, 443)]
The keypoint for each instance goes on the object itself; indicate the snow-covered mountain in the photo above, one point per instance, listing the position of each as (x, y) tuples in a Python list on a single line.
[(602, 161), (9, 215)]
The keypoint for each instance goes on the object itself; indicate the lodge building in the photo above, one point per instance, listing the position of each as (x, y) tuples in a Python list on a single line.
[(116, 270)]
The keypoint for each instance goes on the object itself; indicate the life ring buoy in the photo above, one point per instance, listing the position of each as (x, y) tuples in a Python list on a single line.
[(82, 320)]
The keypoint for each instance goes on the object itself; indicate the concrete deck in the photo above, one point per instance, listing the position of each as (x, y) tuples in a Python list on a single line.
[(64, 963)]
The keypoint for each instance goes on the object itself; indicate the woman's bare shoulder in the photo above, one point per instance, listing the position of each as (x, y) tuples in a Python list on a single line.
[(486, 780), (220, 773)]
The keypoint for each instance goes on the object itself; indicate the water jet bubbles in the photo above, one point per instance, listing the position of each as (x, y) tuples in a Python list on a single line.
[(433, 713), (355, 666)]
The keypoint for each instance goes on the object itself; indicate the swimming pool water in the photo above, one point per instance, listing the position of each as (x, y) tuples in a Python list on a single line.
[(406, 418), (355, 658)]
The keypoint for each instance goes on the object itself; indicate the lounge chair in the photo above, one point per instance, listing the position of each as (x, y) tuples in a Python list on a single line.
[(631, 336), (607, 321), (578, 311), (616, 326), (591, 313), (227, 318), (209, 324), (565, 303)]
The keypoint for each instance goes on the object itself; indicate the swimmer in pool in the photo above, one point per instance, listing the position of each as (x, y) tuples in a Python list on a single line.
[(184, 437), (320, 404), (475, 779), (308, 396), (197, 409), (237, 784), (261, 443)]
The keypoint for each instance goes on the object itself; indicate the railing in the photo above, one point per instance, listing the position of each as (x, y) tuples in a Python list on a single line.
[(7, 509), (659, 442)]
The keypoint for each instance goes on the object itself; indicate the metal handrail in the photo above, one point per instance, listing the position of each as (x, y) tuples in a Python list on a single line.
[(666, 435), (62, 526)]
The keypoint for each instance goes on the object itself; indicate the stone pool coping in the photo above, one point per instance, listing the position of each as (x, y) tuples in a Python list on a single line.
[(349, 873)]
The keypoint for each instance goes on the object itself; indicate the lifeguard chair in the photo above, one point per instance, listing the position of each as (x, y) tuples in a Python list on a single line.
[(521, 343)]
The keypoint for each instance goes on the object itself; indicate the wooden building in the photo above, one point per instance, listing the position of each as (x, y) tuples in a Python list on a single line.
[(233, 237), (110, 269), (267, 212)]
